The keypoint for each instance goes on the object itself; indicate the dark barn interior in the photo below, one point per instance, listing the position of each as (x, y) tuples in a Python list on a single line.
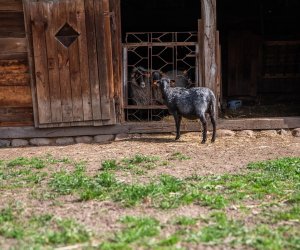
[(260, 42), (261, 56), (160, 15)]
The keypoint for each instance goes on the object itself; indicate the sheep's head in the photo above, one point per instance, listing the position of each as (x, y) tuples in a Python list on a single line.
[(163, 83), (138, 76), (158, 76)]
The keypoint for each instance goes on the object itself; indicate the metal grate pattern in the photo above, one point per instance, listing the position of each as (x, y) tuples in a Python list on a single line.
[(173, 53)]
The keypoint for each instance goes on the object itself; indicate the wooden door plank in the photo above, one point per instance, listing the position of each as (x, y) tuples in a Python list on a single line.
[(84, 62), (64, 69), (102, 60), (75, 65), (51, 12), (108, 17), (115, 9), (28, 31), (93, 59), (40, 57)]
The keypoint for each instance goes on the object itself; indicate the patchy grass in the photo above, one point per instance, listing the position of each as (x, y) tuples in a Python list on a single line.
[(138, 164), (135, 233), (39, 231), (26, 172), (167, 192), (265, 201), (179, 156), (278, 179)]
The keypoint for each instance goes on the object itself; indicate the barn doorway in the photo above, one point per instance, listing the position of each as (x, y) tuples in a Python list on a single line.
[(157, 35), (260, 42)]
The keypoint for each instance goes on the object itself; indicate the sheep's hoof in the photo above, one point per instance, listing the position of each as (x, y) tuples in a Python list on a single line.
[(177, 138), (213, 140), (203, 142)]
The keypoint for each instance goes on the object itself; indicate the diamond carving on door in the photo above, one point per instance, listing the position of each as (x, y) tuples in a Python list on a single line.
[(66, 35)]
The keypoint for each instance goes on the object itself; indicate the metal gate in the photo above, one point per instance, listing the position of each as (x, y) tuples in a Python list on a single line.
[(175, 53)]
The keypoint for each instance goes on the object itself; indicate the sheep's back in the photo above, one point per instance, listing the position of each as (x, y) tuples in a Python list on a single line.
[(188, 102)]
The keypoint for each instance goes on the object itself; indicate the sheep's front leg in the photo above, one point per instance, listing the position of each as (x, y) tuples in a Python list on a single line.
[(177, 119), (204, 126)]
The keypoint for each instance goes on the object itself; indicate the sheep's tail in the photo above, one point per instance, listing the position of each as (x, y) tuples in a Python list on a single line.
[(213, 105)]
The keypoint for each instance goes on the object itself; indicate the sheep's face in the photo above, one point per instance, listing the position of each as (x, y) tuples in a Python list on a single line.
[(157, 78), (163, 83), (139, 77)]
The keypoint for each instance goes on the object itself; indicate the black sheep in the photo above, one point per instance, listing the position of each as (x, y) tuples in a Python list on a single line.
[(190, 103)]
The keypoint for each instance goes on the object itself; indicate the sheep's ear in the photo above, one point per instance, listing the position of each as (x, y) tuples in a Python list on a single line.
[(172, 83), (155, 83), (147, 74)]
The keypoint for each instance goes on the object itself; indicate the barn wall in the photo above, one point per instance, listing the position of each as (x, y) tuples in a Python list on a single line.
[(15, 94)]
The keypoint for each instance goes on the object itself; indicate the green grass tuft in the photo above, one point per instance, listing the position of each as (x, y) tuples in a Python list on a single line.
[(40, 231)]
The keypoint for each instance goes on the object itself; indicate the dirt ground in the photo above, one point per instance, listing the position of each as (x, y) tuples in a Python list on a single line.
[(226, 155)]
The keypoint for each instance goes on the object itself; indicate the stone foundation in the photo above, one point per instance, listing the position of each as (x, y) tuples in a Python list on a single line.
[(62, 141)]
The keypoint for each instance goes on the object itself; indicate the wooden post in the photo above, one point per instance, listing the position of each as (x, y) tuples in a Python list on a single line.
[(209, 22), (200, 55)]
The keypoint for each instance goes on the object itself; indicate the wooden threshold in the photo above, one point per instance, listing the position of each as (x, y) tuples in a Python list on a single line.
[(149, 127)]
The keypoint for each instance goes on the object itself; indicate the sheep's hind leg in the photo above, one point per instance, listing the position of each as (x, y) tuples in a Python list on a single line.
[(204, 126), (177, 119), (213, 122)]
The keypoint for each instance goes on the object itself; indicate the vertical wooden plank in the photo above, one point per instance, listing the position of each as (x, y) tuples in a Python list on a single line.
[(200, 55), (108, 46), (108, 18), (219, 74), (84, 62), (92, 59), (64, 68), (102, 60), (53, 71), (209, 42), (218, 61), (75, 76), (40, 58), (115, 9), (28, 31)]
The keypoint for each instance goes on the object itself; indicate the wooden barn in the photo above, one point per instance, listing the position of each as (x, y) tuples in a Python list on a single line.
[(65, 64)]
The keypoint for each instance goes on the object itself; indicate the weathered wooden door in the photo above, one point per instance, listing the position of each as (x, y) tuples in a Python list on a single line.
[(72, 61), (244, 63)]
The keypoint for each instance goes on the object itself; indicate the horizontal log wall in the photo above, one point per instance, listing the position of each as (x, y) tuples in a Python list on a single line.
[(15, 93)]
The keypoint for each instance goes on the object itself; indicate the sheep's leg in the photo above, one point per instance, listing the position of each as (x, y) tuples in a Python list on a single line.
[(204, 126), (213, 122), (177, 123)]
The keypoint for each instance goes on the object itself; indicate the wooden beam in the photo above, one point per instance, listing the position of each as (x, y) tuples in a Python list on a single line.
[(15, 96), (12, 45), (149, 127), (12, 24), (11, 5), (209, 22)]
